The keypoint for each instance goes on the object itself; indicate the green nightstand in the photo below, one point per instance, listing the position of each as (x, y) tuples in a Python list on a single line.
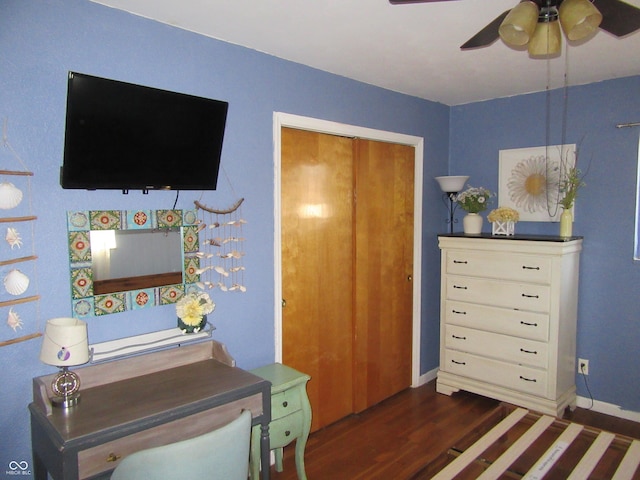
[(290, 416)]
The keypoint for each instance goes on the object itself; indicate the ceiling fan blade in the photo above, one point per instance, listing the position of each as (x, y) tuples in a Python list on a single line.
[(401, 2), (618, 18), (487, 35)]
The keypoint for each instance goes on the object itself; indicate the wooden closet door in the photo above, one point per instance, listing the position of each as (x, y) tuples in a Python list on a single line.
[(317, 268), (383, 313)]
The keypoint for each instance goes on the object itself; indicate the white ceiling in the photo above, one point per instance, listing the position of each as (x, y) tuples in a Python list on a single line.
[(413, 49)]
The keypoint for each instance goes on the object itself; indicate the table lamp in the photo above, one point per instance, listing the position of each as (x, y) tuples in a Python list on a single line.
[(451, 185), (65, 344)]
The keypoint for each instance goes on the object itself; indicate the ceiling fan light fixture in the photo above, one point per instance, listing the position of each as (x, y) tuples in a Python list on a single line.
[(546, 40), (519, 24), (579, 18)]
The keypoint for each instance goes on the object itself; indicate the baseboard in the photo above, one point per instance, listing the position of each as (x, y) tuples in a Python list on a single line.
[(427, 377), (608, 409)]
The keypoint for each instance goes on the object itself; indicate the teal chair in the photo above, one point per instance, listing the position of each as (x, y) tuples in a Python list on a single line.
[(222, 454)]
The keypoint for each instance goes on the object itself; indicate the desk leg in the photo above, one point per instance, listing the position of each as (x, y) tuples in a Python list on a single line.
[(39, 470), (265, 450)]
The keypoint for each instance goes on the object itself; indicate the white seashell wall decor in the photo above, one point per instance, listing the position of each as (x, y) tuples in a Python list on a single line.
[(22, 313), (10, 195), (16, 282), (13, 238), (13, 320)]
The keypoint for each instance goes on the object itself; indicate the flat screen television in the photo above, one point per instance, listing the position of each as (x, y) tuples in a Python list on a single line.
[(122, 136)]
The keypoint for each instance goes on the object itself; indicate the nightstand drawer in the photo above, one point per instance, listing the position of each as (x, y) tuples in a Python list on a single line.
[(285, 403), (286, 429), (524, 268)]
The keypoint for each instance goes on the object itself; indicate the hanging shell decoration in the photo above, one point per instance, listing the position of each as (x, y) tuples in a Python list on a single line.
[(13, 238), (16, 282), (10, 195), (13, 320)]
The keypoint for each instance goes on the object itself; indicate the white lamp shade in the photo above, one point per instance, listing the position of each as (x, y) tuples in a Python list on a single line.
[(452, 183), (546, 40), (519, 24), (65, 342), (579, 18)]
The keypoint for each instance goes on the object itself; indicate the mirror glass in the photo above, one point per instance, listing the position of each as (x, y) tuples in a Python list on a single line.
[(122, 260)]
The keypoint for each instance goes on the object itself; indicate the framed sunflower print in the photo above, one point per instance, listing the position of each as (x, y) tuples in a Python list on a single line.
[(529, 180)]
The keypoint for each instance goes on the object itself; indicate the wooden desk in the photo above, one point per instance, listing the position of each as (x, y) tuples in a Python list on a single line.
[(143, 402)]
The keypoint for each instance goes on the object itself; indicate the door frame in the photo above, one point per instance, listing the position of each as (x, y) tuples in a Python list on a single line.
[(280, 120)]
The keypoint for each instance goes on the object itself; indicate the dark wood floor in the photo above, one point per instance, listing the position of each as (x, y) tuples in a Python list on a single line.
[(396, 438)]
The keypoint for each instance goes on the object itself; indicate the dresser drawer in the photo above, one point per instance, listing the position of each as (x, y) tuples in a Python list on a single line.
[(107, 456), (285, 403), (285, 429), (515, 377), (507, 266), (517, 323), (523, 296), (501, 347)]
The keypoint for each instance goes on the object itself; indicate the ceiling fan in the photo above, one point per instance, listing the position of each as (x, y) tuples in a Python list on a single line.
[(535, 23)]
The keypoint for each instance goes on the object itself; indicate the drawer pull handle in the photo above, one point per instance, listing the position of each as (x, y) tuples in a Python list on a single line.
[(459, 338), (528, 324), (528, 351), (460, 261), (458, 286), (458, 363), (113, 457), (530, 296), (528, 379), (524, 267), (287, 433), (458, 313), (285, 404)]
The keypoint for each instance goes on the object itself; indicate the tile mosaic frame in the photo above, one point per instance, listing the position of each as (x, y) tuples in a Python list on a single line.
[(79, 225)]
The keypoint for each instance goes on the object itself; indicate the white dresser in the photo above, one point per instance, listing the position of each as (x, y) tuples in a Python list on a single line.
[(508, 319)]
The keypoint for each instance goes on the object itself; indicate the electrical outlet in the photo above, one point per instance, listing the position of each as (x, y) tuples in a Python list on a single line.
[(583, 366)]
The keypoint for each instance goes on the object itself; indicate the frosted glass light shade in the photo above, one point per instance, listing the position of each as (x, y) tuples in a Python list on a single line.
[(579, 18), (519, 24), (546, 40), (65, 342), (452, 183)]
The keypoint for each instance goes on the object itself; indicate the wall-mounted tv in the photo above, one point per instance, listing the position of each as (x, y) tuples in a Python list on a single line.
[(122, 136)]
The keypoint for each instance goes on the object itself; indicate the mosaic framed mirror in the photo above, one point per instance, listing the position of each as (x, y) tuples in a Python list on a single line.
[(123, 260)]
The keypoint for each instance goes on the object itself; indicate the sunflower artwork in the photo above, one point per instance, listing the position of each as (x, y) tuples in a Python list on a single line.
[(529, 180)]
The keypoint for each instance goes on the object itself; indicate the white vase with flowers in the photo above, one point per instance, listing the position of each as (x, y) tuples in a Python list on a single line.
[(473, 201)]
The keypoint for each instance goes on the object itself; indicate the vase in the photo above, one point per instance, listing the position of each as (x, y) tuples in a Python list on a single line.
[(472, 223), (566, 223), (192, 328)]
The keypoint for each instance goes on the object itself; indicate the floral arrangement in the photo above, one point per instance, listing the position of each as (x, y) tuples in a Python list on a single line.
[(474, 199), (569, 186), (503, 214), (192, 308)]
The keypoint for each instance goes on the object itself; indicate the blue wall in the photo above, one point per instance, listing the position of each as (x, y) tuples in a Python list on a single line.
[(40, 41), (608, 314)]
